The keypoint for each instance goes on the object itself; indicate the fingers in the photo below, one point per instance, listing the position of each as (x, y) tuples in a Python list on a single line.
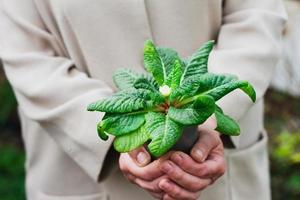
[(151, 186), (208, 140), (214, 167), (184, 179), (149, 172), (176, 192), (186, 163), (140, 156)]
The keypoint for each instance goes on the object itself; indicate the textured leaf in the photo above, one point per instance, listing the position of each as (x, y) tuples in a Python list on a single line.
[(194, 114), (197, 63), (220, 86), (173, 79), (151, 80), (163, 131), (168, 57), (187, 89), (153, 63), (144, 83), (131, 141), (206, 83), (225, 124), (159, 61), (213, 85), (120, 124), (124, 101), (124, 78)]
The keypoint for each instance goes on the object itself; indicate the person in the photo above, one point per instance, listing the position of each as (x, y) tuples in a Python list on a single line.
[(59, 56)]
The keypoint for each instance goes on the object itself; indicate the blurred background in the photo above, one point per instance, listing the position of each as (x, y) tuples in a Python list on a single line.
[(282, 121)]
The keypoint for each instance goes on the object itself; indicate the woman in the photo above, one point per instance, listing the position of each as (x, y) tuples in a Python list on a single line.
[(60, 55)]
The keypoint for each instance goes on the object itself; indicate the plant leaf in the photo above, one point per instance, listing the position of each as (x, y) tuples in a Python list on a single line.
[(213, 85), (173, 79), (124, 101), (159, 61), (197, 63), (163, 131), (188, 88), (155, 95), (204, 83), (120, 124), (168, 57), (225, 124), (194, 114), (151, 80), (124, 78), (101, 132), (131, 141), (221, 86), (144, 83), (153, 62)]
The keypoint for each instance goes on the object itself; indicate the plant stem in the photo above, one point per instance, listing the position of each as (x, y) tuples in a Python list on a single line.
[(145, 111), (188, 100)]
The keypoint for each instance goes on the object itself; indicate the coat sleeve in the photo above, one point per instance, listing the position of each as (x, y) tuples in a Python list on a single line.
[(248, 45), (49, 88)]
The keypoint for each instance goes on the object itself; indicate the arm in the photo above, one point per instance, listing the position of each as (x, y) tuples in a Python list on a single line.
[(49, 87), (248, 45)]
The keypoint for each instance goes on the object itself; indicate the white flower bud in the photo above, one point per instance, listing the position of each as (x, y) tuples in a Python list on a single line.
[(165, 90)]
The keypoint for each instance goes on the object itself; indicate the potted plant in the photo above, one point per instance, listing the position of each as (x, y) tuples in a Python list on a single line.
[(177, 94)]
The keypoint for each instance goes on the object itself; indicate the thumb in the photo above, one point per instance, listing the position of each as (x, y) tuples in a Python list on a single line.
[(208, 140), (140, 156)]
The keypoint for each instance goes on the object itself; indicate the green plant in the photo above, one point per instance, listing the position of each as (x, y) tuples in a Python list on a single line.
[(287, 147), (156, 108), (7, 102), (285, 160), (12, 173)]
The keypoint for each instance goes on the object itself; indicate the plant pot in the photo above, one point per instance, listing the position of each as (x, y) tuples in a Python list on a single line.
[(187, 140)]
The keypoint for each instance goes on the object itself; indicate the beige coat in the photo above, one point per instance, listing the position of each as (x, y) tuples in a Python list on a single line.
[(59, 55)]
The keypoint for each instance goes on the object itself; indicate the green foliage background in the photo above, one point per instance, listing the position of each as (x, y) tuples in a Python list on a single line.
[(282, 121), (12, 156)]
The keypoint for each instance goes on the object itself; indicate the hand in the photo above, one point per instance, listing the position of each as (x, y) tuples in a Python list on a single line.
[(201, 168), (194, 174), (137, 168)]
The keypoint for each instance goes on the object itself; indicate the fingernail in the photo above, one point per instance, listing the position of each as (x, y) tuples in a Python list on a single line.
[(141, 158), (166, 167), (177, 158), (199, 155)]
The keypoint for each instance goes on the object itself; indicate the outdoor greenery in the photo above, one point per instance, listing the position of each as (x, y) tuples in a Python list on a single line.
[(12, 156), (286, 166), (283, 125), (282, 122), (12, 173)]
